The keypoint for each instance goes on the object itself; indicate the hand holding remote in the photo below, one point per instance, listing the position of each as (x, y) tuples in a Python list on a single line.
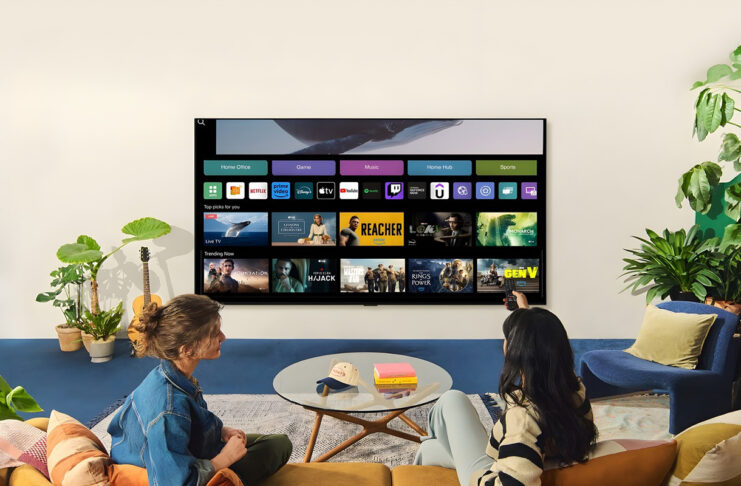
[(510, 299)]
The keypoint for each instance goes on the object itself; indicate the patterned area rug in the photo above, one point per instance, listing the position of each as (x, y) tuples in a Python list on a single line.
[(630, 417), (640, 416), (271, 414)]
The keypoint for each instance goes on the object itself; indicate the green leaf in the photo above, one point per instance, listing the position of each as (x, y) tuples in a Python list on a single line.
[(700, 192), (735, 56), (78, 253), (22, 401), (735, 74), (89, 242), (699, 291), (718, 72), (710, 112), (731, 236), (7, 413), (728, 105), (145, 229), (733, 201), (730, 149), (4, 387), (697, 84), (651, 294), (47, 296)]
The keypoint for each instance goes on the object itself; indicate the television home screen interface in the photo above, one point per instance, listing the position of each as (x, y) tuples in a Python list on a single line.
[(369, 211)]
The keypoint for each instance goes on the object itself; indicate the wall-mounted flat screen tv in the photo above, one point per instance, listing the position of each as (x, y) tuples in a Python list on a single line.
[(369, 211)]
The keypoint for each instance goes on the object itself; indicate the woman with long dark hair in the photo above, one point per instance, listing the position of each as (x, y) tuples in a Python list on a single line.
[(547, 415)]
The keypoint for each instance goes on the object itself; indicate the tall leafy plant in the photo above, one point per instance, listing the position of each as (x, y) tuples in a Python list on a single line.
[(60, 296), (678, 260), (715, 107)]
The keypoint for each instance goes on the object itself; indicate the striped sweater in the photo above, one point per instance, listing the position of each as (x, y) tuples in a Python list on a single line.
[(515, 447)]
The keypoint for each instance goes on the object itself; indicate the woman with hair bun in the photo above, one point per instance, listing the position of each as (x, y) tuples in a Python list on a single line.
[(165, 425), (547, 414)]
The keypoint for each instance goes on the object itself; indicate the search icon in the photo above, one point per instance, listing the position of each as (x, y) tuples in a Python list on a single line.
[(201, 122)]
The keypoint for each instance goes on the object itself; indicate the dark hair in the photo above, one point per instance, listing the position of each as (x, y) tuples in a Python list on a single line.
[(186, 320), (228, 260), (539, 368)]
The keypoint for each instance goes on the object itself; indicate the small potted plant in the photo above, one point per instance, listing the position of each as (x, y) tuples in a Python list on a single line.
[(675, 265), (63, 279), (103, 327), (85, 251)]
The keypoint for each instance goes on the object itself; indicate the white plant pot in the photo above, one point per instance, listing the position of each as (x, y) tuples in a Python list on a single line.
[(102, 350)]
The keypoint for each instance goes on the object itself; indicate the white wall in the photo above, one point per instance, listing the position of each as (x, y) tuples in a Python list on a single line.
[(97, 102)]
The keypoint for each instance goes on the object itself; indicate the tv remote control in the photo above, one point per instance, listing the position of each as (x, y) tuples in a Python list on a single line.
[(511, 300)]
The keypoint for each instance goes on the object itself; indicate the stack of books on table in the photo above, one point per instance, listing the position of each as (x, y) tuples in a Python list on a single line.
[(394, 378)]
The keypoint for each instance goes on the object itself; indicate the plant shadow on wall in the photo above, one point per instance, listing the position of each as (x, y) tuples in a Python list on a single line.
[(103, 324), (177, 243), (694, 264)]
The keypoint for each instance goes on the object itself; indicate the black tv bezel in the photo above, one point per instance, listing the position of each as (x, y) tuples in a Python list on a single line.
[(205, 135)]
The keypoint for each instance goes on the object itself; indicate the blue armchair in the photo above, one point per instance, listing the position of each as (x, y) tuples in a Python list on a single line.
[(694, 395)]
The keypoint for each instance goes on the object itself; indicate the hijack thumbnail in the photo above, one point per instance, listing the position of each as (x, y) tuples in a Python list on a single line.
[(304, 275)]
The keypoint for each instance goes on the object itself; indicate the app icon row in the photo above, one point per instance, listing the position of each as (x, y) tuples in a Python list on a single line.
[(370, 190)]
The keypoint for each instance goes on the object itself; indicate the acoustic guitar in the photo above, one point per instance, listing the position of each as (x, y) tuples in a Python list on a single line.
[(141, 302)]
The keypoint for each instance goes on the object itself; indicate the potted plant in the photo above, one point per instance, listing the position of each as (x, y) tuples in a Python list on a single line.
[(675, 265), (14, 400), (103, 327), (714, 108), (60, 296), (726, 264), (85, 251)]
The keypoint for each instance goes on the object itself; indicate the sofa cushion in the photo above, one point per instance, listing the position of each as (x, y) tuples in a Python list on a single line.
[(22, 443), (709, 452), (331, 474), (423, 476), (617, 463), (75, 455), (672, 338), (27, 476)]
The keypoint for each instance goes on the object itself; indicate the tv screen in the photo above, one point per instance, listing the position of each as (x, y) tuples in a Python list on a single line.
[(369, 211)]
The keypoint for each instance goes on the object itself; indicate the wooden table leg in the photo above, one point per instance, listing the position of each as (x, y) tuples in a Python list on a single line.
[(312, 439), (369, 427), (413, 425)]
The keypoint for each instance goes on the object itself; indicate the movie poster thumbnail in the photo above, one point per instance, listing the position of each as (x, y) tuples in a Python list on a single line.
[(372, 275), (491, 272), (235, 229), (440, 230), (440, 276), (235, 275), (303, 275), (296, 228), (506, 229), (371, 229)]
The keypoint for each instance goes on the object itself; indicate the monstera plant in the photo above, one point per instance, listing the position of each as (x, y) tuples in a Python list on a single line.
[(715, 107)]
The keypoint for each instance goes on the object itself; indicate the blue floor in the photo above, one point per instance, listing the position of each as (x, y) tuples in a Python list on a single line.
[(70, 383)]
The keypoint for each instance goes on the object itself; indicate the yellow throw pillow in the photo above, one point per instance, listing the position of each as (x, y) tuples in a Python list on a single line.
[(672, 338), (708, 453)]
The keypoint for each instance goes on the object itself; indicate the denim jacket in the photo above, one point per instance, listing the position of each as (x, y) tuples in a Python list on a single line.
[(165, 426)]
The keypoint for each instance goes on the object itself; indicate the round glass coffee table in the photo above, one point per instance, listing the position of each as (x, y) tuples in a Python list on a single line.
[(297, 383)]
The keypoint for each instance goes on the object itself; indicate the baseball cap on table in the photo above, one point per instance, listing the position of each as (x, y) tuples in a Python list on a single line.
[(342, 377)]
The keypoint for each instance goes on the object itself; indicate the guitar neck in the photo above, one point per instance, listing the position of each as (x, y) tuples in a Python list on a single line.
[(145, 272)]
